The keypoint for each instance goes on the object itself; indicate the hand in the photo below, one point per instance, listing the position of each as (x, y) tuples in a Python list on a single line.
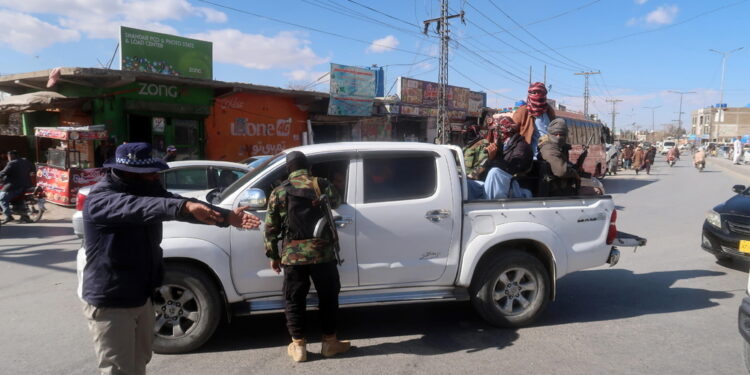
[(203, 213), (491, 151), (276, 265), (241, 219)]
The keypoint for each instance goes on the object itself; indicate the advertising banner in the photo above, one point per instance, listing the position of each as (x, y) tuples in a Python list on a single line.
[(419, 98), (146, 51), (352, 91)]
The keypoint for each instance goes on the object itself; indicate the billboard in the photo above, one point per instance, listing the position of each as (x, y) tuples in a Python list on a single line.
[(352, 91), (421, 97), (150, 52)]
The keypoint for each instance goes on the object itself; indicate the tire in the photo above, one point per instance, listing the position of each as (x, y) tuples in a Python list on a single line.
[(510, 280), (188, 309), (35, 214)]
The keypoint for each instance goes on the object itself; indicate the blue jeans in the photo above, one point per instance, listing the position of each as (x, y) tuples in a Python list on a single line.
[(499, 184), (6, 197)]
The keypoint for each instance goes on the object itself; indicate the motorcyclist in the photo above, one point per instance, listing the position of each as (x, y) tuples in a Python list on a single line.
[(17, 177), (699, 158), (673, 154)]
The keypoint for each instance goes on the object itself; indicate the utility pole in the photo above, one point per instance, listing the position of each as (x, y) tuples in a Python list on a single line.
[(724, 56), (614, 103), (442, 29), (653, 129), (586, 92), (679, 119)]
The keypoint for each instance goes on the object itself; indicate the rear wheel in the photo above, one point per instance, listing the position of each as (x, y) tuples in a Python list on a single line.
[(512, 290), (188, 310), (35, 214)]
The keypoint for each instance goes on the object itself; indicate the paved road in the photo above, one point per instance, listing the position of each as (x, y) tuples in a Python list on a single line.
[(669, 308)]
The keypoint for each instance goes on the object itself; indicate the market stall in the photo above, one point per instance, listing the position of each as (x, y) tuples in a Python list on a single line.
[(66, 160)]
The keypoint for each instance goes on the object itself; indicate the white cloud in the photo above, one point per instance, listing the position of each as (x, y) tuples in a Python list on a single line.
[(303, 75), (100, 19), (663, 15), (640, 2), (385, 44), (29, 34), (255, 51)]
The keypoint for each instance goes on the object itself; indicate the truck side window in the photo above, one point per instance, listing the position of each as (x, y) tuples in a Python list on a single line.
[(399, 178)]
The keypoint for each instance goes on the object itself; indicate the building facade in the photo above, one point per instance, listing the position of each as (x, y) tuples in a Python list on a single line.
[(720, 124)]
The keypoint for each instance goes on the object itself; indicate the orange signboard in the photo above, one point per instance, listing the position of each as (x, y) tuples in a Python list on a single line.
[(244, 124)]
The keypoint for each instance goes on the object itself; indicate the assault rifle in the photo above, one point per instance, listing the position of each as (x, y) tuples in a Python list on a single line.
[(327, 223)]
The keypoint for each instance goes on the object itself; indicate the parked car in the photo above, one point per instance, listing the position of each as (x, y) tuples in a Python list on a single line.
[(726, 230), (182, 177), (411, 236)]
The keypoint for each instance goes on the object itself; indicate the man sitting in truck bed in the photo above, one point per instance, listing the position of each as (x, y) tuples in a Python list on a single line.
[(563, 179)]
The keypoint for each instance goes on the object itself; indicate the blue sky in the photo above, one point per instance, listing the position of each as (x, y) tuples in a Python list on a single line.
[(644, 48)]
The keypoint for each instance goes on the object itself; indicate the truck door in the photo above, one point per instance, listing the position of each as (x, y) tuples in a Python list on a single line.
[(404, 217), (250, 267)]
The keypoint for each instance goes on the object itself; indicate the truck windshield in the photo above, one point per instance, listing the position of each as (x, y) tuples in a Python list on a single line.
[(250, 175)]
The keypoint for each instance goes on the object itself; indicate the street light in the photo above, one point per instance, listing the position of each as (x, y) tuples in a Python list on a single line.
[(724, 56)]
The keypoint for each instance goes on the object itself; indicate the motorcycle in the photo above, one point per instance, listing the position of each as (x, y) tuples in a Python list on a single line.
[(700, 165), (29, 205), (671, 160)]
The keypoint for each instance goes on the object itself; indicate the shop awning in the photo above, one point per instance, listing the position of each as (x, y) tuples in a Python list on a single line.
[(32, 101)]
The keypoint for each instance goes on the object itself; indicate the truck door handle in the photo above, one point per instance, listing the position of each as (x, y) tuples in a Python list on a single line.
[(437, 215), (342, 221)]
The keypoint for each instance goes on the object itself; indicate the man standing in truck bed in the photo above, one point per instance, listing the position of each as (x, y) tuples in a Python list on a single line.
[(294, 209)]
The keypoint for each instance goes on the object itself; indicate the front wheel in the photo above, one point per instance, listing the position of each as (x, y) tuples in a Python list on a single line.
[(34, 210), (188, 310), (511, 291)]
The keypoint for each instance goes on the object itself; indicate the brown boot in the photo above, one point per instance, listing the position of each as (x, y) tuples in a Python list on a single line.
[(332, 346), (297, 350)]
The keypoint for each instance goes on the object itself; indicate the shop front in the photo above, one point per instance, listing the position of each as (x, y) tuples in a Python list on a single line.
[(244, 124)]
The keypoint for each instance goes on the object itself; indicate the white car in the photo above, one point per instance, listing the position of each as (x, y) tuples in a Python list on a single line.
[(407, 233), (666, 146), (182, 177)]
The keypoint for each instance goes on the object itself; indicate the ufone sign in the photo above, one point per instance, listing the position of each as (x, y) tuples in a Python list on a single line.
[(153, 89)]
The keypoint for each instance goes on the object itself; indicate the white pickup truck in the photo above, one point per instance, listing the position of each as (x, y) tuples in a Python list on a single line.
[(407, 233)]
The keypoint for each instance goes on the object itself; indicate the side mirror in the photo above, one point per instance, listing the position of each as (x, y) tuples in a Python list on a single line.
[(253, 198), (738, 188)]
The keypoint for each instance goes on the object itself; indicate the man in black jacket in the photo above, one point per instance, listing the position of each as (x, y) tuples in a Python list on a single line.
[(17, 178), (123, 217)]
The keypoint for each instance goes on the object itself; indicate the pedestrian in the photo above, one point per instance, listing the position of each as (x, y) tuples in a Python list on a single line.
[(293, 212), (534, 117), (638, 159), (737, 152), (649, 158), (171, 154), (627, 157), (17, 178), (122, 218)]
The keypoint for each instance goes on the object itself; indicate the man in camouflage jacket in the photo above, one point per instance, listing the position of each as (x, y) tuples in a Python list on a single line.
[(302, 260), (475, 152)]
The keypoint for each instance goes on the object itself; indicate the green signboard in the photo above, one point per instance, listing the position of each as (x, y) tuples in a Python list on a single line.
[(146, 51)]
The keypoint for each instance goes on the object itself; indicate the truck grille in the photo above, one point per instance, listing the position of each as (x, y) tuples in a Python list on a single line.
[(739, 228)]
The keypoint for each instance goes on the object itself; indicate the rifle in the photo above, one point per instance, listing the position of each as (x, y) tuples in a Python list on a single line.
[(584, 154), (327, 221)]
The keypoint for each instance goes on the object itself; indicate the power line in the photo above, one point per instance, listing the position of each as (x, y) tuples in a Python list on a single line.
[(546, 18), (533, 36), (480, 85), (385, 14), (310, 28), (570, 67), (658, 28)]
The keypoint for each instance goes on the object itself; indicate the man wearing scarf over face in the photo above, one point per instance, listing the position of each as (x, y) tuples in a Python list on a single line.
[(475, 152), (122, 218), (534, 117), (554, 148)]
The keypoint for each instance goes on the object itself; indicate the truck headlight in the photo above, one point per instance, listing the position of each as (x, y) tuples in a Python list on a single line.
[(713, 218)]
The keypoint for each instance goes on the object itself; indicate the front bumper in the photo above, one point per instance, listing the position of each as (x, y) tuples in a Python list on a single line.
[(743, 319), (721, 242)]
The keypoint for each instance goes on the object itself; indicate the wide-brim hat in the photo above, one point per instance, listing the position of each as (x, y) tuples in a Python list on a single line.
[(136, 158)]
